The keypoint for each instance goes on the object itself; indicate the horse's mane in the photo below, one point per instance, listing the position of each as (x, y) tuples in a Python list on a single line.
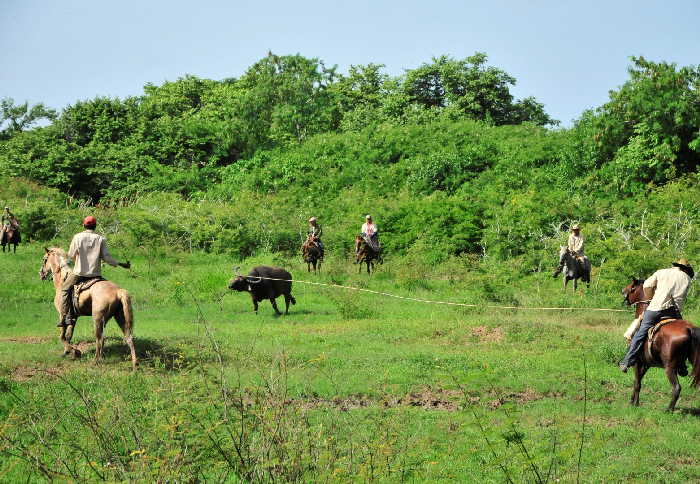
[(62, 257)]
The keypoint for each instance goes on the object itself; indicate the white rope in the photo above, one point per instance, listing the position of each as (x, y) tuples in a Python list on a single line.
[(430, 301)]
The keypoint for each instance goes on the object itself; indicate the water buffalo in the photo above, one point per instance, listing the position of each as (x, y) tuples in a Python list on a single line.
[(260, 287)]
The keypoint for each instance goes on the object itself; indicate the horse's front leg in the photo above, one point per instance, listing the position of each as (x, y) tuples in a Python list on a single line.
[(66, 338), (639, 372), (675, 386)]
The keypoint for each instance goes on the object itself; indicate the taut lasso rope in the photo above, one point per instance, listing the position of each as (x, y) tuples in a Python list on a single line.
[(445, 303)]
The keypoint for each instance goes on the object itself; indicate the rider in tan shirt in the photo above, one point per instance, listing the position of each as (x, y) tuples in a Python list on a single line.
[(667, 289), (575, 242), (87, 249)]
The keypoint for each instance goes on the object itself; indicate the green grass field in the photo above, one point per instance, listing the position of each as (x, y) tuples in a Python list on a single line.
[(349, 386)]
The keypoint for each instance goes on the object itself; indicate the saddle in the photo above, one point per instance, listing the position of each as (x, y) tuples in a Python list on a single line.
[(652, 334), (80, 288)]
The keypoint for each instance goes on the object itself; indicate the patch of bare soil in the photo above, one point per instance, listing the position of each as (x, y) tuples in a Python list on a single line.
[(486, 335), (84, 346), (527, 395), (30, 340), (26, 373), (427, 398)]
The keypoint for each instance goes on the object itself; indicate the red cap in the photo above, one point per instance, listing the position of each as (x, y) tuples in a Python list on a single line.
[(90, 221)]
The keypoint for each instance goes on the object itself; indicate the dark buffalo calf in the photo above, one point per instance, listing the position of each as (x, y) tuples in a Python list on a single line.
[(260, 288)]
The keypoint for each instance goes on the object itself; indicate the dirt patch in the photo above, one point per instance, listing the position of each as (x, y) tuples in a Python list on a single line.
[(84, 346), (26, 373), (526, 396), (486, 335), (429, 399), (30, 340), (426, 398)]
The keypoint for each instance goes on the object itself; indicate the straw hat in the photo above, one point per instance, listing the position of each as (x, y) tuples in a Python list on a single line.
[(312, 219), (576, 227), (683, 262), (368, 217)]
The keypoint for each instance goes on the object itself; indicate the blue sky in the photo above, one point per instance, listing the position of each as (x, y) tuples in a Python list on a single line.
[(567, 54)]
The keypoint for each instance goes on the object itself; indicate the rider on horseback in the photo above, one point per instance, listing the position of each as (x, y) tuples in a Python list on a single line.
[(8, 221), (370, 233), (87, 249), (575, 246), (667, 290), (313, 235)]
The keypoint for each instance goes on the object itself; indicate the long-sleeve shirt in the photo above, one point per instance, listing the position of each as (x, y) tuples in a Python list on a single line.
[(369, 229), (575, 244), (316, 231), (671, 288), (89, 249), (7, 217)]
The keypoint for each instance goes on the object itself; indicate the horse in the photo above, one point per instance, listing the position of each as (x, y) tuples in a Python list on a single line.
[(103, 300), (311, 253), (635, 292), (574, 268), (10, 236), (365, 253), (673, 344)]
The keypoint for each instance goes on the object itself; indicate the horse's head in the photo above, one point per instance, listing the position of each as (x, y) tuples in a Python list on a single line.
[(563, 254), (633, 292), (49, 264)]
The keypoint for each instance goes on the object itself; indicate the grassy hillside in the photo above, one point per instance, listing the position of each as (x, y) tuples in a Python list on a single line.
[(349, 386)]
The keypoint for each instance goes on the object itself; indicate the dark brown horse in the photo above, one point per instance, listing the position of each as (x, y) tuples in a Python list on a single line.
[(365, 253), (311, 253), (673, 344), (10, 236)]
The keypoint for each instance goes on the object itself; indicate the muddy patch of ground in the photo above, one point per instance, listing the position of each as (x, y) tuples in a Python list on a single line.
[(427, 398), (526, 396), (488, 335), (26, 373), (30, 340)]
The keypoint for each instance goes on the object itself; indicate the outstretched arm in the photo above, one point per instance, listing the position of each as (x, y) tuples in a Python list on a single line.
[(107, 257)]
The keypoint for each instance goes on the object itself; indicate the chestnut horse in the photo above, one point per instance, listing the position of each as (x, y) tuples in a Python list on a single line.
[(103, 300), (311, 253), (364, 253), (674, 343)]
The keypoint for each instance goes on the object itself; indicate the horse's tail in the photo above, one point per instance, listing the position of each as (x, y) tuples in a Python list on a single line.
[(695, 354), (125, 299)]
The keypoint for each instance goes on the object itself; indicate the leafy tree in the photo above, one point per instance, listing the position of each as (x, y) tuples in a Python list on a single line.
[(650, 128), (19, 117), (286, 98), (468, 88)]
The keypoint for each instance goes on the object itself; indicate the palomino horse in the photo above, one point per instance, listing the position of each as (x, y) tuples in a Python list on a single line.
[(311, 253), (103, 300), (364, 253), (574, 268), (10, 236), (674, 343)]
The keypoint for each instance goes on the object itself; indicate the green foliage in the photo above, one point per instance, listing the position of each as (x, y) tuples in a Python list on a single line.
[(20, 117), (649, 128)]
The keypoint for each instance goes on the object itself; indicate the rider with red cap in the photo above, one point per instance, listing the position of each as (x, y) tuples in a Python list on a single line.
[(87, 249)]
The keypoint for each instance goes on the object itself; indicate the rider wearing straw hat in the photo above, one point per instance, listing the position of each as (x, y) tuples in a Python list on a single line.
[(575, 242), (370, 233), (314, 234), (667, 290), (7, 220)]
